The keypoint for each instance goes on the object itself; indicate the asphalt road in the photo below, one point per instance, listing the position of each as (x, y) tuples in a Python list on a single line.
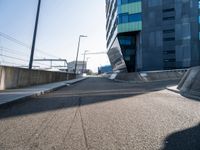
[(99, 114)]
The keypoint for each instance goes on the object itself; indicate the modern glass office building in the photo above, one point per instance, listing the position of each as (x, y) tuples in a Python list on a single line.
[(145, 35)]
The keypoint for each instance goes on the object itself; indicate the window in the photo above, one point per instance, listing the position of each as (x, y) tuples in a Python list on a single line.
[(128, 1), (127, 58), (131, 1), (170, 60), (169, 52), (168, 10), (135, 17), (125, 41), (123, 18), (168, 14), (124, 1), (129, 52), (199, 4), (169, 18), (169, 31), (169, 39)]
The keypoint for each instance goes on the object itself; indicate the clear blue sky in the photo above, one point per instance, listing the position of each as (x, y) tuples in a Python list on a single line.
[(60, 24)]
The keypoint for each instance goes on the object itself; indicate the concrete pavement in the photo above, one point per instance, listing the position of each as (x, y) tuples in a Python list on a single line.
[(11, 96), (100, 114)]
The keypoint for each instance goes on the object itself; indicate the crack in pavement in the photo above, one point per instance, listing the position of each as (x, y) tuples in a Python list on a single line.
[(82, 124), (72, 122), (78, 110)]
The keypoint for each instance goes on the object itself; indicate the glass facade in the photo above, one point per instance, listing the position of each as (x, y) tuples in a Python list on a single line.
[(127, 1), (129, 15), (199, 18), (116, 57), (138, 31), (124, 21), (128, 47)]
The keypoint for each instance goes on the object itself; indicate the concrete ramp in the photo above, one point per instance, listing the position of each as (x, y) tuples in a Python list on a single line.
[(134, 77), (164, 75), (150, 76), (189, 86)]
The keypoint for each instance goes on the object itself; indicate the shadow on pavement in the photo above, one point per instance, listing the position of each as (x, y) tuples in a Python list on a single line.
[(188, 139), (84, 93), (55, 102)]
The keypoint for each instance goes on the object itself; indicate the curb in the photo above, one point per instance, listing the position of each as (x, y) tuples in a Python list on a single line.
[(185, 94), (131, 81), (81, 79), (42, 92), (125, 81), (188, 95), (172, 90)]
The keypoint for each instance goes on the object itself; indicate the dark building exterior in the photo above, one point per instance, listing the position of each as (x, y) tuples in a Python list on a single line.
[(145, 35)]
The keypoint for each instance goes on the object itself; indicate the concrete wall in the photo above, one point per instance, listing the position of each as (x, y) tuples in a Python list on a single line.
[(11, 77), (176, 74), (190, 83), (134, 76), (149, 76)]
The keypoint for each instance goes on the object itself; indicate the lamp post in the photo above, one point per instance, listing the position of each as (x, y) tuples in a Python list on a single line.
[(34, 35), (84, 61), (80, 36)]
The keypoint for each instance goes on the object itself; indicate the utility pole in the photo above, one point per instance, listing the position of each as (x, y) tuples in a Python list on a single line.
[(84, 64), (80, 36), (34, 35)]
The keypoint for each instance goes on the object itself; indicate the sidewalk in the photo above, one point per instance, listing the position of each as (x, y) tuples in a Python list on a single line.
[(11, 96), (173, 89)]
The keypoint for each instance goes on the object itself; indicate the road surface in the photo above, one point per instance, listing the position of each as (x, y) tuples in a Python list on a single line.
[(100, 114)]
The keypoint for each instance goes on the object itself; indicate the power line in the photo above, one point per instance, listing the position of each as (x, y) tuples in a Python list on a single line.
[(51, 61), (63, 60), (13, 58), (12, 51), (5, 52), (8, 37), (42, 52), (41, 63), (7, 62)]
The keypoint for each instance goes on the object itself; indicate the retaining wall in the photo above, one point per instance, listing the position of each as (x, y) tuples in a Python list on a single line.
[(190, 83), (11, 77), (163, 75), (149, 76), (135, 77)]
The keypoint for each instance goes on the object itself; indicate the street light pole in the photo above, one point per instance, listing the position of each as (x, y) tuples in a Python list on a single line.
[(34, 35), (84, 61), (80, 36)]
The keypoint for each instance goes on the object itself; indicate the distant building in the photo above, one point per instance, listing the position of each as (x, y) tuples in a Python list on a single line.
[(105, 69), (144, 35), (81, 67)]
